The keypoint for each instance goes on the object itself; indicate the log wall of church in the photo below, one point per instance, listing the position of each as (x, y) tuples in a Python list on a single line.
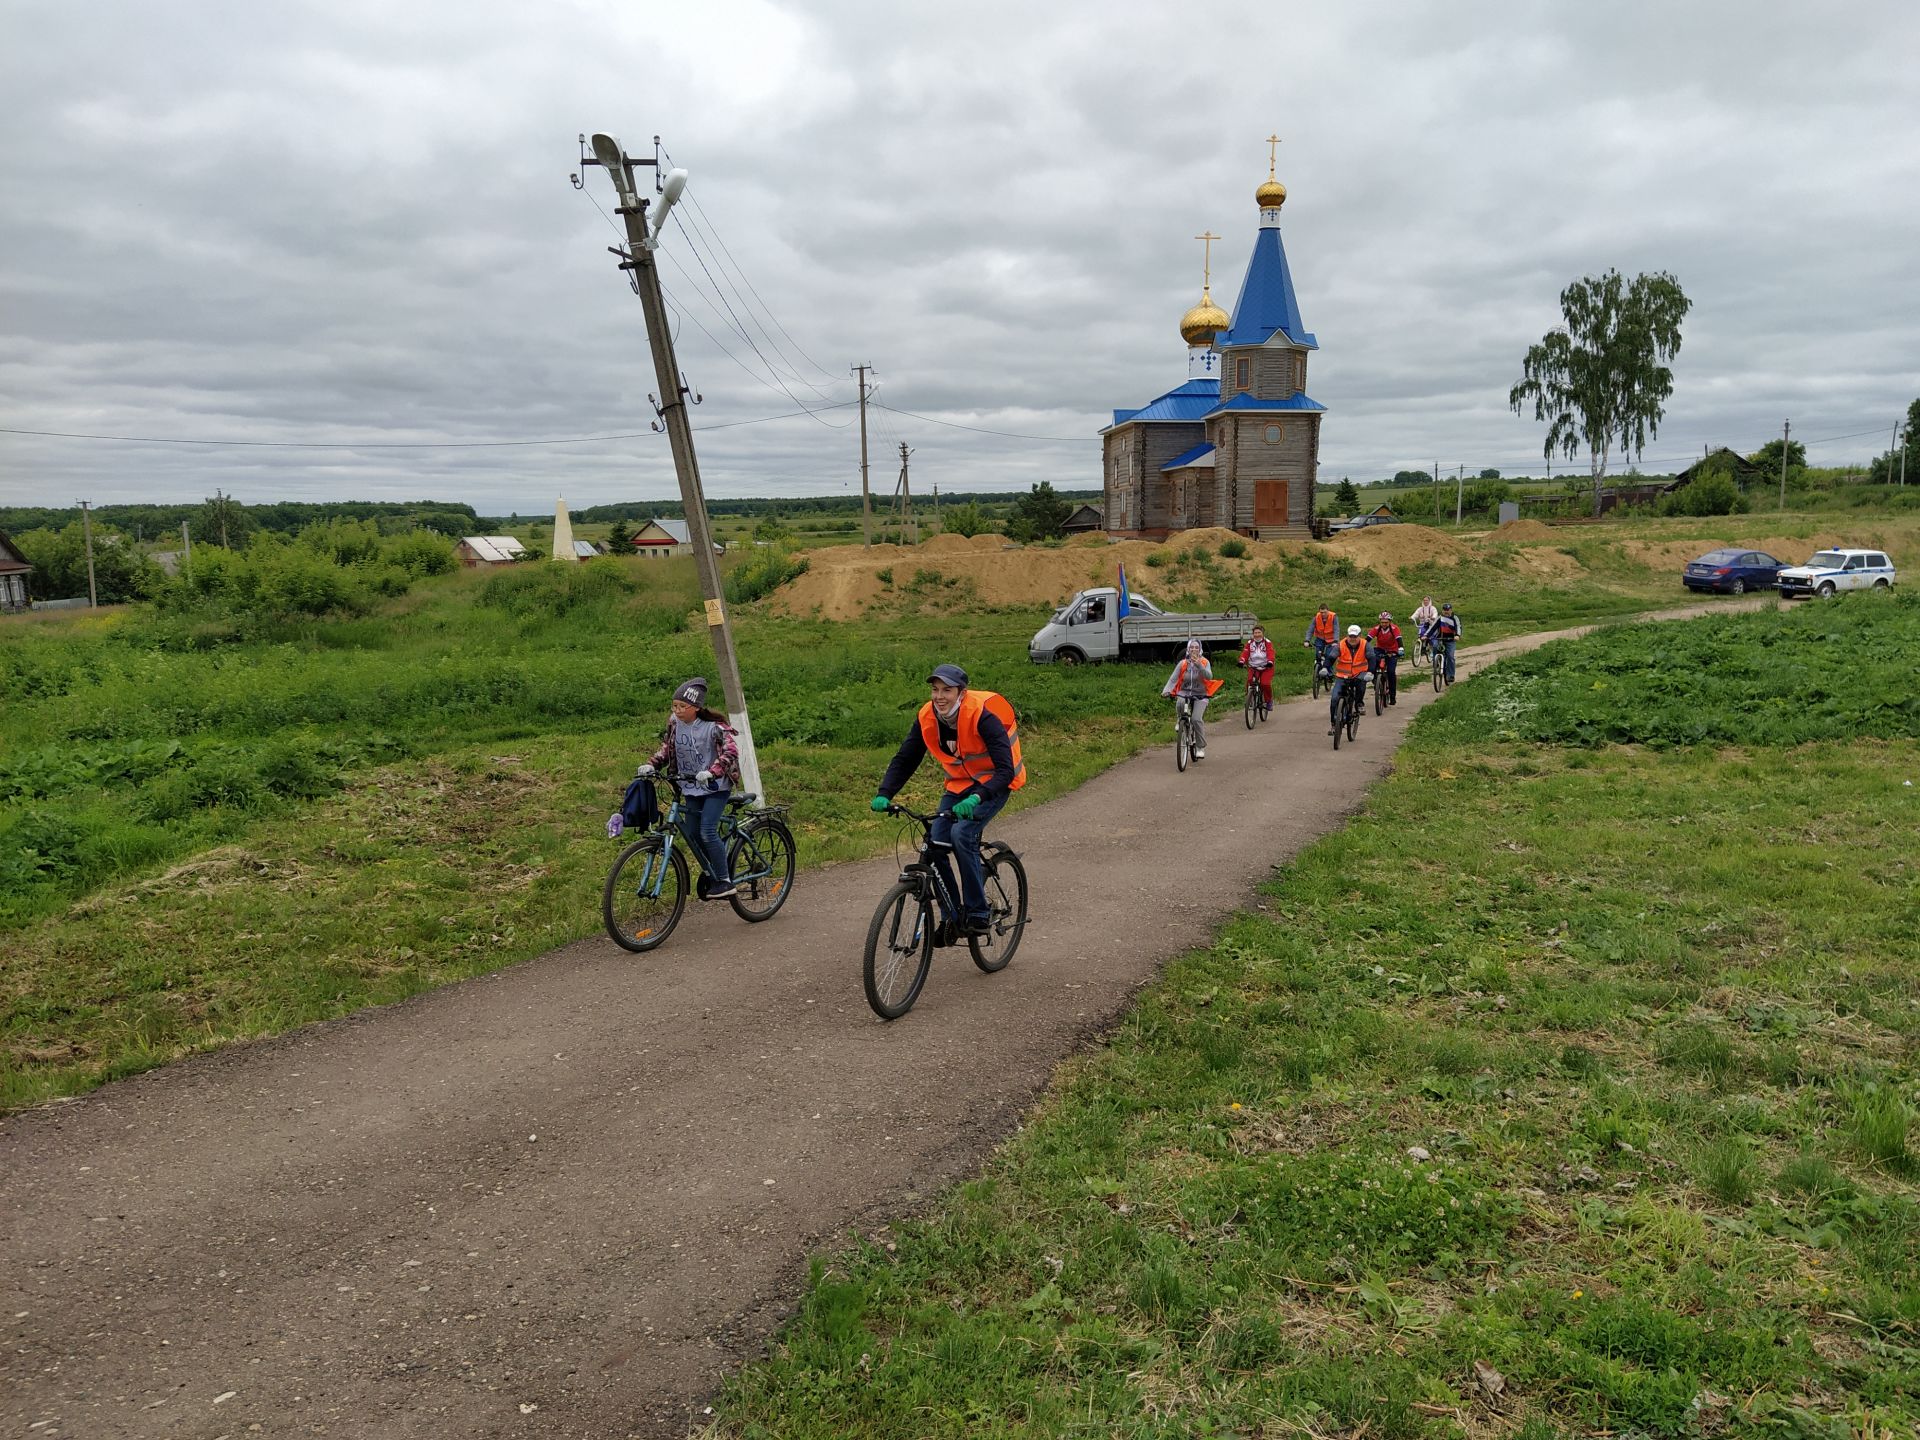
[(1272, 374)]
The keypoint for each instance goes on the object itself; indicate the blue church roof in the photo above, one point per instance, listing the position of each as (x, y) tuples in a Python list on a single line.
[(1190, 401), (1194, 456), (1266, 302), (1243, 401)]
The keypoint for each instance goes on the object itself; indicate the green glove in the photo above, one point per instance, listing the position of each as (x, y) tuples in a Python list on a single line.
[(964, 810), (879, 804)]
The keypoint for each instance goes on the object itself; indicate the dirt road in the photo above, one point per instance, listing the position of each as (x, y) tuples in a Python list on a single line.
[(565, 1199)]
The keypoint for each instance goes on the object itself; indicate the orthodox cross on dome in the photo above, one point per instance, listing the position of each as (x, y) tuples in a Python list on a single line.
[(1206, 263), (1273, 155)]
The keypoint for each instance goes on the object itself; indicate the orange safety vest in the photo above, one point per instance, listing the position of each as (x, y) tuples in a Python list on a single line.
[(1351, 658), (972, 766), (1326, 625), (1180, 674)]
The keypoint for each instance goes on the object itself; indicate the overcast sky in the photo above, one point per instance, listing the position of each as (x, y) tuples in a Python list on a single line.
[(353, 221)]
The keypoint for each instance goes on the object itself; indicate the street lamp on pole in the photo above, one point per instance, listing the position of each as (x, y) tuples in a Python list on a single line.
[(671, 408)]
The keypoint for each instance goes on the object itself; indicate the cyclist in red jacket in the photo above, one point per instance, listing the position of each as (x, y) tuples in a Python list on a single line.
[(1387, 644), (1257, 656)]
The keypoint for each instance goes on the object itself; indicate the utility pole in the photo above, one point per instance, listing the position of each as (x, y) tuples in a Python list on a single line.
[(906, 495), (866, 503), (936, 505), (1459, 493), (1786, 434), (638, 261), (186, 547), (1436, 492), (86, 526)]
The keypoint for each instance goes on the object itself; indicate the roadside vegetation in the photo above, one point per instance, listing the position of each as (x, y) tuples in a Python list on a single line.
[(1569, 1090)]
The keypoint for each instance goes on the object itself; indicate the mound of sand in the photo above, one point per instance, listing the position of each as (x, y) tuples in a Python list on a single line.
[(942, 544), (1523, 530), (1388, 548)]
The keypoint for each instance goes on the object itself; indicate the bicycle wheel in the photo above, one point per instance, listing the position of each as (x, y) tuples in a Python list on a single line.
[(1439, 672), (1379, 694), (1005, 881), (1316, 681), (761, 864), (1353, 719), (1253, 704), (899, 952), (1339, 724), (1182, 744), (646, 892)]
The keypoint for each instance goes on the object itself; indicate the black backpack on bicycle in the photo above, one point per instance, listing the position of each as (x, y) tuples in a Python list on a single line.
[(640, 806)]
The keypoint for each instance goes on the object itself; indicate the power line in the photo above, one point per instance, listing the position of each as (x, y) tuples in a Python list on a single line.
[(405, 444), (982, 430)]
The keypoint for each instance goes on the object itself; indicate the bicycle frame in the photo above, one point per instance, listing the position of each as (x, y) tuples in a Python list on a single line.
[(654, 873), (925, 878)]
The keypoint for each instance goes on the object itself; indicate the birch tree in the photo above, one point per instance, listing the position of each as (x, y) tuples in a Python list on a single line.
[(1602, 378)]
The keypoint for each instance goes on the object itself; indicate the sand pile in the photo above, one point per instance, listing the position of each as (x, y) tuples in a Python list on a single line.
[(843, 582), (1387, 548), (1541, 563)]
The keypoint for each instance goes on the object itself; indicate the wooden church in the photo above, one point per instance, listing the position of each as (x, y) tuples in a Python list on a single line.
[(1238, 445)]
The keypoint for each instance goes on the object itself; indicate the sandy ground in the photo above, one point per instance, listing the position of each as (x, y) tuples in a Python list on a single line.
[(568, 1198)]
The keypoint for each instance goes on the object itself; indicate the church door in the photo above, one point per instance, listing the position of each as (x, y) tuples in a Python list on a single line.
[(1269, 502)]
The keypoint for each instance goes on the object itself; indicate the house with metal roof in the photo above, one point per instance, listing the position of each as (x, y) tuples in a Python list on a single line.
[(490, 550), (660, 538), (1238, 444), (14, 570)]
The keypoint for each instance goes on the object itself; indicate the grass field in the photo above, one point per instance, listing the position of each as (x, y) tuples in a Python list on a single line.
[(1569, 1090), (214, 826)]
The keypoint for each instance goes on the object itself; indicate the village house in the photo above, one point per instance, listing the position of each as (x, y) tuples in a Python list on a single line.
[(14, 570), (490, 550), (1237, 445), (659, 538)]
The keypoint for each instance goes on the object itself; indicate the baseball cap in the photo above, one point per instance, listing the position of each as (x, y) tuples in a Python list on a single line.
[(949, 675), (1353, 629), (1447, 606)]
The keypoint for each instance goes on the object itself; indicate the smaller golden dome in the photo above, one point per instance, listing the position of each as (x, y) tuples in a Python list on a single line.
[(1200, 324), (1271, 195)]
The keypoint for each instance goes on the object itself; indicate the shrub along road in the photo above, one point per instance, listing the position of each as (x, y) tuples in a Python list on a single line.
[(566, 1198)]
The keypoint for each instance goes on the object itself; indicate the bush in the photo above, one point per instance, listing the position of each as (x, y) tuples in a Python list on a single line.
[(968, 520), (1233, 549), (763, 574), (1158, 558), (1710, 495)]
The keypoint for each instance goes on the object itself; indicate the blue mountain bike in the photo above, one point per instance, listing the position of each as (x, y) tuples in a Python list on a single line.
[(646, 891)]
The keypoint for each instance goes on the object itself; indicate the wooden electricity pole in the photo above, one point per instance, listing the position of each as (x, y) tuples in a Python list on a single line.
[(866, 502), (1786, 434), (86, 526), (910, 528), (672, 407)]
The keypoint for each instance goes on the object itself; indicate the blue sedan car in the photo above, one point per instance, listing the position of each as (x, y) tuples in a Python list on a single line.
[(1733, 571)]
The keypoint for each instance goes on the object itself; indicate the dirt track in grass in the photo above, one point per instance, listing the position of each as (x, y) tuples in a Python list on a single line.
[(567, 1198)]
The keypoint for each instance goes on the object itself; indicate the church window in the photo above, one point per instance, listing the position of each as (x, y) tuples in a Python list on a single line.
[(1273, 434), (1242, 373)]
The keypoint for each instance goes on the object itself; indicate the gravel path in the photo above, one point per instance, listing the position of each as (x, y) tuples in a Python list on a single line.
[(567, 1198)]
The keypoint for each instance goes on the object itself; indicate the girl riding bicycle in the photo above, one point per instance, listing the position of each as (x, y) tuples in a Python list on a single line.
[(1192, 681), (1257, 656), (706, 758)]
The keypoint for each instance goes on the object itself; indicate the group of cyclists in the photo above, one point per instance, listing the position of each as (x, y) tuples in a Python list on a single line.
[(973, 737)]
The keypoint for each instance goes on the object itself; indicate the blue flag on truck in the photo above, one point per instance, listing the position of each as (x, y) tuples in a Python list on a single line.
[(1121, 613)]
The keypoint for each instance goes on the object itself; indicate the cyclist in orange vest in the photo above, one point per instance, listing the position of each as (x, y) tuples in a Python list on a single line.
[(1323, 632), (1352, 658), (974, 736)]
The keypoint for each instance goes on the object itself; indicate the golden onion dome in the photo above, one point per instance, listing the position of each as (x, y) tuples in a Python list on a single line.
[(1200, 324), (1271, 195)]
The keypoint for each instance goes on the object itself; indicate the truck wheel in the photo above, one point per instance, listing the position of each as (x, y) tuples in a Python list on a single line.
[(1826, 589), (1068, 657), (1881, 584)]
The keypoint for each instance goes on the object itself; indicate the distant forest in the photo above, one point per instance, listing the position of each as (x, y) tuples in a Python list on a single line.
[(155, 522), (785, 506)]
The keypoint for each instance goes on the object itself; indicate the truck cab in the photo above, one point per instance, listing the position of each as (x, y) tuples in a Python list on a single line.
[(1086, 628)]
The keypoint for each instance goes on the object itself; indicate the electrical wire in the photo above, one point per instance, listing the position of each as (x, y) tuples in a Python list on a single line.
[(982, 430)]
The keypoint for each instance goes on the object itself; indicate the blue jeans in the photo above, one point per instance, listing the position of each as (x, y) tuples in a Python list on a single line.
[(1388, 670), (962, 837), (700, 823), (1447, 644)]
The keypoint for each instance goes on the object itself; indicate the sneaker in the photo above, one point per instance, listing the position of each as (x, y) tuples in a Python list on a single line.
[(1199, 754), (982, 926), (723, 893)]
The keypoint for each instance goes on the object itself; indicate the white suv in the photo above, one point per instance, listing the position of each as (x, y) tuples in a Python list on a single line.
[(1833, 570)]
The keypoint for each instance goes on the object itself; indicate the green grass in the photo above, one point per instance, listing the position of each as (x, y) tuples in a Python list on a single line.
[(1650, 1017)]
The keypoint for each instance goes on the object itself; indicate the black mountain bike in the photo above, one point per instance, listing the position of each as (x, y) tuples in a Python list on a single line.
[(1353, 700), (646, 891), (1323, 672), (1258, 706), (1185, 733), (1438, 656), (919, 915)]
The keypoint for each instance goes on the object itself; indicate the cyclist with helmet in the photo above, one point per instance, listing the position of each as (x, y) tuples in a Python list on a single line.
[(1446, 633), (1352, 659), (974, 736), (1386, 641)]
